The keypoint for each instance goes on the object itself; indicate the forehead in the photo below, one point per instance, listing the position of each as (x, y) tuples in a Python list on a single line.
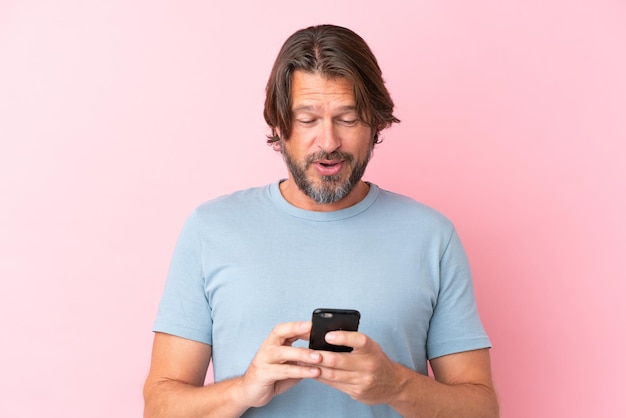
[(314, 89)]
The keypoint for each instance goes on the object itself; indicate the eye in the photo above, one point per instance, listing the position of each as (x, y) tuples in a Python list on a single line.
[(348, 122), (305, 121)]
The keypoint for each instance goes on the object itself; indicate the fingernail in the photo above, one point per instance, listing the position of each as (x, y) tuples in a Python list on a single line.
[(314, 356), (330, 337)]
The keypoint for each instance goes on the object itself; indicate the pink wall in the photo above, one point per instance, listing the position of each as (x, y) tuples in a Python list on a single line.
[(118, 117)]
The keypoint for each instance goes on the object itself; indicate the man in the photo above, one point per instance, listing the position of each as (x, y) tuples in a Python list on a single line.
[(249, 264)]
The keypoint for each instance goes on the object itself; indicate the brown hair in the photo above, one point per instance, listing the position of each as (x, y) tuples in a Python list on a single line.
[(331, 51)]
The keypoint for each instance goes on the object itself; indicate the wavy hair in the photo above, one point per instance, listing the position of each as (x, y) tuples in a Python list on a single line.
[(331, 51)]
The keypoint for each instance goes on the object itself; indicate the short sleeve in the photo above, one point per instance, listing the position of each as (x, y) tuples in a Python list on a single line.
[(184, 309), (455, 325)]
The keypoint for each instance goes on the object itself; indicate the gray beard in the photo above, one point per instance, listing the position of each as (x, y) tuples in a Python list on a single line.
[(331, 189)]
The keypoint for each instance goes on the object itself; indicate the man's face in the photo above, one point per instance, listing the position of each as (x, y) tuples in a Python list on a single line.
[(329, 146)]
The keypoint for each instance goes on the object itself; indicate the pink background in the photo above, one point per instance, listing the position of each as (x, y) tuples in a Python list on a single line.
[(118, 117)]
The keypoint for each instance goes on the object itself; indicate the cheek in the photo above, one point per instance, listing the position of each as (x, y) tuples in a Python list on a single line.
[(294, 149), (301, 143), (361, 146)]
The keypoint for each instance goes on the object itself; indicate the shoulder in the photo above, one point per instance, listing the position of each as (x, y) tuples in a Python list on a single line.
[(245, 199), (231, 208), (407, 209)]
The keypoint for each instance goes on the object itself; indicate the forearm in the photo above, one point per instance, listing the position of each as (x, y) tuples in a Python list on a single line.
[(420, 396), (171, 398)]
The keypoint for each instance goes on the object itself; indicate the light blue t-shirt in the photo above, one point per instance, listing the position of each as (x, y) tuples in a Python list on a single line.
[(250, 260)]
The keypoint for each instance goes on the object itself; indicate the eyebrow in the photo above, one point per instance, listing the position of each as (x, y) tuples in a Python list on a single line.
[(308, 108)]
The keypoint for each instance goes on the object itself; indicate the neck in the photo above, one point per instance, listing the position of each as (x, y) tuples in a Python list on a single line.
[(299, 199)]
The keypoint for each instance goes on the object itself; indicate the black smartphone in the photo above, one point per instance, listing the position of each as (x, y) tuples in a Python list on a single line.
[(326, 320)]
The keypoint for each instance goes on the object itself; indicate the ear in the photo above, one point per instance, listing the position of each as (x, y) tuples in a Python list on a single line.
[(277, 145), (376, 138)]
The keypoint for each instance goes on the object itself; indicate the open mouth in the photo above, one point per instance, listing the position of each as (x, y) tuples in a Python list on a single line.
[(328, 167)]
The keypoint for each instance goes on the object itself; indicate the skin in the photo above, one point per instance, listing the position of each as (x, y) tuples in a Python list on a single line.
[(325, 122)]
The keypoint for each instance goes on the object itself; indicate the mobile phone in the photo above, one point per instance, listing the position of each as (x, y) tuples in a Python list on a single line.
[(326, 320)]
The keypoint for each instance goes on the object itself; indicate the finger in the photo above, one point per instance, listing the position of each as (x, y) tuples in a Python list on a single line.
[(303, 371), (338, 361), (353, 339), (291, 371), (288, 332), (262, 381), (337, 378), (287, 354)]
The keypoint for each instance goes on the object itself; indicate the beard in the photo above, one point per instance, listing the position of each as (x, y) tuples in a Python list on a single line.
[(329, 189)]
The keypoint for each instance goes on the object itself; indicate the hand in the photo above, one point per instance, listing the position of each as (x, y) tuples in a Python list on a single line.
[(366, 374), (277, 366)]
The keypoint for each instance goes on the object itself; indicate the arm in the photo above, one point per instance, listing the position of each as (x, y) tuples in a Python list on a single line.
[(463, 388), (174, 386), (463, 385)]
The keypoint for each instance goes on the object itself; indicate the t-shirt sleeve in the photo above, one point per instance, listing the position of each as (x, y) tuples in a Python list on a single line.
[(455, 325), (184, 310)]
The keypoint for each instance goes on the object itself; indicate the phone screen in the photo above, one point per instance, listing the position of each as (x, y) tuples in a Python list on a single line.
[(326, 320)]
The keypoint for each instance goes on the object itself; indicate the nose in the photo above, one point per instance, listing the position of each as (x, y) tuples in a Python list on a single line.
[(328, 139)]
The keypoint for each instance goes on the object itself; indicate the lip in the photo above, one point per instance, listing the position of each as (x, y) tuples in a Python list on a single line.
[(328, 167)]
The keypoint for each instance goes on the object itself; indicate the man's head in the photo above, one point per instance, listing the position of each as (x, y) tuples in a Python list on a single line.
[(331, 52)]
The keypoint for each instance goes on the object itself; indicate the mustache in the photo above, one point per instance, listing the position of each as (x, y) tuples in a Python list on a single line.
[(335, 155)]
